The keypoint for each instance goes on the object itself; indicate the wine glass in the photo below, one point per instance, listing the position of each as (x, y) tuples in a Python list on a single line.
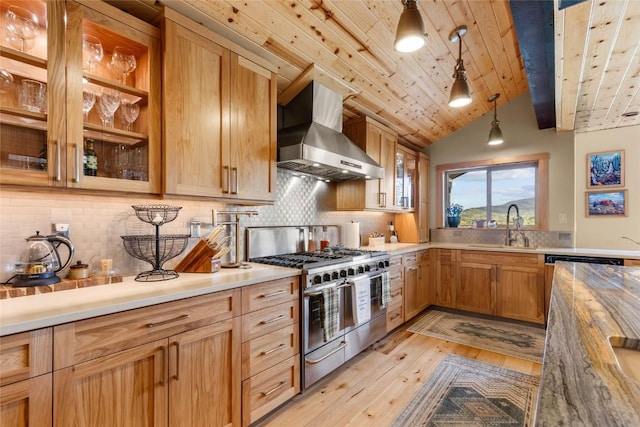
[(92, 51), (129, 113), (21, 27), (33, 96), (88, 101), (123, 60), (121, 155), (108, 103), (6, 81)]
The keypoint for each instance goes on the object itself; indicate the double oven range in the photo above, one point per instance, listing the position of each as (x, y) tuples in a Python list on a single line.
[(342, 307)]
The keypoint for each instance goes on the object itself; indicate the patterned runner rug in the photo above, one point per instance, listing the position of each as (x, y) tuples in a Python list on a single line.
[(524, 342), (465, 392)]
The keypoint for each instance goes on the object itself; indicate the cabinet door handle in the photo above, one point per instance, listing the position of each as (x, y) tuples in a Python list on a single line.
[(273, 294), (275, 319), (164, 322), (163, 369), (227, 188), (280, 347), (235, 173), (76, 176), (176, 376), (384, 200), (58, 166), (273, 390)]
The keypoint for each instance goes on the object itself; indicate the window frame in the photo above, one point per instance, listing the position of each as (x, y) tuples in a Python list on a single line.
[(542, 184)]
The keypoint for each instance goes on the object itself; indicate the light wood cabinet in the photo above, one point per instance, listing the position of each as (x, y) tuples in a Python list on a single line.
[(444, 286), (25, 379), (379, 142), (151, 362), (395, 309), (504, 284), (632, 262), (45, 146), (405, 182), (220, 131), (414, 227), (417, 292), (270, 346)]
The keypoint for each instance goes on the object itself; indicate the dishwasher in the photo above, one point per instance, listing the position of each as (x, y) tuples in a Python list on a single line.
[(551, 259)]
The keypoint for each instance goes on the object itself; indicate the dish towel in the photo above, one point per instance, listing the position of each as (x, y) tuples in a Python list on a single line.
[(361, 289), (386, 289), (329, 311)]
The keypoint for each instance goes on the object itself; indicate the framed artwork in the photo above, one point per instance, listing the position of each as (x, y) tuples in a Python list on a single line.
[(606, 169), (606, 203)]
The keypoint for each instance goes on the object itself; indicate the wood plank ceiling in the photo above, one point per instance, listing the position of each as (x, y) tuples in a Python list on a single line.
[(597, 56)]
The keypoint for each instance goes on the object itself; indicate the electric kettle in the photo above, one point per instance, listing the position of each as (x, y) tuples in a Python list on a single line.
[(40, 260)]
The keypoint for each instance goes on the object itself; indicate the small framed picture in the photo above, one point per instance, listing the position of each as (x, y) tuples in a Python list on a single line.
[(606, 169), (606, 203)]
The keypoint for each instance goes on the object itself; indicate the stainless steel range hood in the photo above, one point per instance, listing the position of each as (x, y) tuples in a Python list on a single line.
[(311, 141)]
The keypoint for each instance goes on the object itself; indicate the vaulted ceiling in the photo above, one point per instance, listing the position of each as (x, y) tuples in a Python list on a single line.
[(596, 55)]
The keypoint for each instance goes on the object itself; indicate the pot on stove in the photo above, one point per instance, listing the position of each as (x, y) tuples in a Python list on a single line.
[(41, 261)]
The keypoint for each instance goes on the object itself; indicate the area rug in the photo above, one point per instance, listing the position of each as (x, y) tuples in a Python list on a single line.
[(465, 392), (521, 341)]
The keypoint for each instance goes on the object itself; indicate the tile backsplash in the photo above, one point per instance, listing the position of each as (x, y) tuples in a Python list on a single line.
[(97, 222), (543, 239)]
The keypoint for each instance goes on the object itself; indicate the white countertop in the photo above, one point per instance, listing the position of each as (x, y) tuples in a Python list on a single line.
[(43, 310)]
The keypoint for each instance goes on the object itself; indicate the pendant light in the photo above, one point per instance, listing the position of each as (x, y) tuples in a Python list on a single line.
[(495, 135), (410, 35), (460, 93)]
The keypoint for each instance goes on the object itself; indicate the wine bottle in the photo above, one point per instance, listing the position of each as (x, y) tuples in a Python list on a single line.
[(90, 160)]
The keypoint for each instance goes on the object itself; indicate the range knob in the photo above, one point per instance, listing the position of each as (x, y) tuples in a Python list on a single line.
[(326, 277), (343, 273), (360, 269), (351, 272), (367, 267), (381, 264), (335, 275), (317, 279)]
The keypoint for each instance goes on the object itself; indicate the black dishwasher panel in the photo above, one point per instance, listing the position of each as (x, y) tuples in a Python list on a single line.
[(552, 259)]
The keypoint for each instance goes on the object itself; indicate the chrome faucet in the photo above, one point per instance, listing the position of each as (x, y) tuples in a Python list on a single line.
[(508, 240)]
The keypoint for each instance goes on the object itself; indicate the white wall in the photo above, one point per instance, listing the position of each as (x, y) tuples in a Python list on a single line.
[(603, 232), (520, 130)]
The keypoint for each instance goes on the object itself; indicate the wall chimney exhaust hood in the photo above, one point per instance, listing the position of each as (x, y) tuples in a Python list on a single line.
[(310, 138)]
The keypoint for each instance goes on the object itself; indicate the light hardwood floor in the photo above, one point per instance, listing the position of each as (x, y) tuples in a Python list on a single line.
[(374, 387)]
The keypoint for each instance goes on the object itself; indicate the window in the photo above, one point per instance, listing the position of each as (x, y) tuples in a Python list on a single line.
[(486, 188)]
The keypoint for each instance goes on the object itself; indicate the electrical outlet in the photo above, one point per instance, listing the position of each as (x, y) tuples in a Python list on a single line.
[(564, 236), (61, 228), (562, 218)]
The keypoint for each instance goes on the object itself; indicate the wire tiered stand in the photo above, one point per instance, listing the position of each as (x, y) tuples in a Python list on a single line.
[(156, 249)]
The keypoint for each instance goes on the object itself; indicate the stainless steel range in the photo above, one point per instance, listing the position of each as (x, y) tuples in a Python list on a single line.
[(342, 307)]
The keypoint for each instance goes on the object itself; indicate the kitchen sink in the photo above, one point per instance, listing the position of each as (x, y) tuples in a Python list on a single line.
[(495, 246), (627, 352)]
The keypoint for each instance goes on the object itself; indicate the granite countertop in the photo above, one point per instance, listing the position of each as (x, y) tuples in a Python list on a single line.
[(581, 382), (42, 310)]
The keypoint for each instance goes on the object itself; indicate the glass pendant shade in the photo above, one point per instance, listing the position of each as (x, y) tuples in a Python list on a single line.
[(410, 34), (495, 135), (460, 92)]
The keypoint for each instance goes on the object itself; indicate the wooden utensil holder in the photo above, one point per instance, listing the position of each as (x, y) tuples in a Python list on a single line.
[(198, 260)]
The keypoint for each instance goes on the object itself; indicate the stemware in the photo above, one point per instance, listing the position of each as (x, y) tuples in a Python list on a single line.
[(6, 81), (121, 154), (33, 96), (129, 113), (88, 101), (123, 60), (92, 51), (21, 28), (107, 104)]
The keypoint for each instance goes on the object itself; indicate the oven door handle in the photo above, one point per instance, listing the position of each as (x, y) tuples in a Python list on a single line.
[(342, 345), (318, 293)]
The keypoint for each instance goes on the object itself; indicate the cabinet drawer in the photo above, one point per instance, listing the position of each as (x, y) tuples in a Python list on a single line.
[(423, 256), (396, 292), (266, 391), (91, 338), (268, 294), (502, 258), (25, 355), (396, 274), (410, 259), (268, 320), (395, 261), (265, 351), (394, 316)]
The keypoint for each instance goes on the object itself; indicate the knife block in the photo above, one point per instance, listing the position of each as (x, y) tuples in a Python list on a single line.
[(199, 260)]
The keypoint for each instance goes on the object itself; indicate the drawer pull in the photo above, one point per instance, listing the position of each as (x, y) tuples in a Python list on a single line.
[(342, 345), (164, 322), (267, 352), (273, 294), (275, 319), (273, 390), (395, 294), (394, 316)]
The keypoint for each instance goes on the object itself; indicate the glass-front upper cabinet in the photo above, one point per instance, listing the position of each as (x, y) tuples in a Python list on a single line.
[(81, 102), (405, 179)]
